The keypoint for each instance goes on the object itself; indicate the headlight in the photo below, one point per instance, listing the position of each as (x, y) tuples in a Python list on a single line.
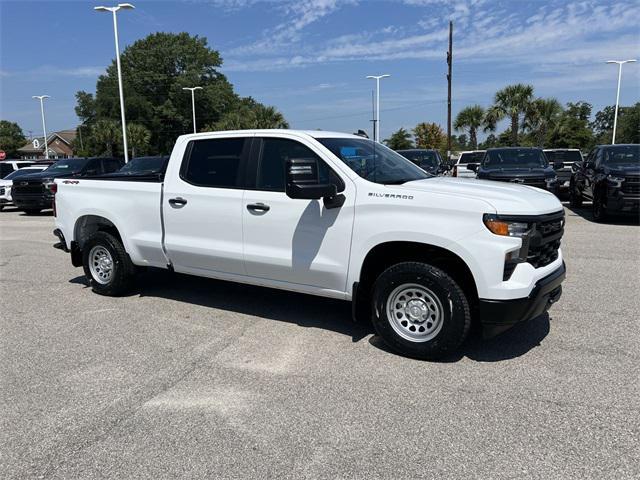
[(505, 228), (615, 181)]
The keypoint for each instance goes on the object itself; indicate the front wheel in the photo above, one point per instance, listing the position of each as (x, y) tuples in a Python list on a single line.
[(575, 198), (599, 210), (107, 265), (420, 311)]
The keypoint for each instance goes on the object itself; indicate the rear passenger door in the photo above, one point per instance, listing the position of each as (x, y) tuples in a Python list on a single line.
[(292, 240), (202, 207)]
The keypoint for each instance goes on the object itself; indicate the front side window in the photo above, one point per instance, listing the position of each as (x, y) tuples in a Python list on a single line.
[(214, 162), (373, 161), (471, 157), (273, 160)]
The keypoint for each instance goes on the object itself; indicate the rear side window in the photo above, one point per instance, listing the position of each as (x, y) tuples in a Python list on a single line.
[(111, 165), (275, 153), (214, 162)]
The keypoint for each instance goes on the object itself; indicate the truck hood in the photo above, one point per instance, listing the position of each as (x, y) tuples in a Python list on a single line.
[(505, 198)]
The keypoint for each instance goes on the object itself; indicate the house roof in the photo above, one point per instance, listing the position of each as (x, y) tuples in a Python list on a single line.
[(67, 136)]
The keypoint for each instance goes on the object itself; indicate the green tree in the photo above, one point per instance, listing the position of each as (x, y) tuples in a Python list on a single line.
[(471, 119), (430, 135), (106, 133), (629, 125), (11, 138), (399, 140), (573, 129), (248, 114), (540, 118), (511, 102), (138, 137)]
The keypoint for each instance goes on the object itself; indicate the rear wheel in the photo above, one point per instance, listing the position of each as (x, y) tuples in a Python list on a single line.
[(107, 265), (420, 311)]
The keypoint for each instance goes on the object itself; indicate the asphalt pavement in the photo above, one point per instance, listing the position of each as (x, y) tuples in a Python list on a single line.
[(196, 378)]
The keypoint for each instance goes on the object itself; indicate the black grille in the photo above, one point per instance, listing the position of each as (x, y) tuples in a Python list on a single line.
[(35, 188), (631, 185), (545, 240)]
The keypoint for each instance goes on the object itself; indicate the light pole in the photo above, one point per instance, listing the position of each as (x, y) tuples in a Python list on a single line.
[(615, 116), (193, 104), (377, 78), (113, 10), (44, 125)]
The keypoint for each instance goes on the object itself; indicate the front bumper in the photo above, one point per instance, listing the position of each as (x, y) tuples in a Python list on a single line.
[(619, 202), (25, 202), (496, 316)]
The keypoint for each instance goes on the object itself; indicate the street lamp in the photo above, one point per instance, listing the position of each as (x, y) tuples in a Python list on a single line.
[(44, 126), (113, 10), (615, 117), (376, 133), (193, 104)]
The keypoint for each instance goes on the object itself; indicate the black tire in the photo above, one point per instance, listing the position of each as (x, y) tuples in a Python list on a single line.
[(575, 198), (123, 271), (454, 322), (598, 209), (32, 211), (1, 207)]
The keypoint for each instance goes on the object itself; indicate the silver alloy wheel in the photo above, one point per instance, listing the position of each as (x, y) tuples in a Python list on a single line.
[(101, 264), (415, 312)]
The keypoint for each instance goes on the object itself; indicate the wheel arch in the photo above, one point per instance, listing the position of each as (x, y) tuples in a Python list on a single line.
[(87, 225), (385, 254)]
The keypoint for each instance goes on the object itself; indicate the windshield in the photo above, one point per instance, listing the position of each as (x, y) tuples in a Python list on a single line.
[(144, 164), (514, 158), (373, 161), (471, 157), (424, 159), (72, 165), (22, 172), (563, 156), (627, 154)]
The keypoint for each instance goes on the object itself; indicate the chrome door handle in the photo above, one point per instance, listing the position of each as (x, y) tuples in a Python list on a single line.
[(258, 207), (177, 202)]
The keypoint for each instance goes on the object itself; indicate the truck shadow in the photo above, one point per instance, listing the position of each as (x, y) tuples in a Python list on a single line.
[(308, 311), (585, 212)]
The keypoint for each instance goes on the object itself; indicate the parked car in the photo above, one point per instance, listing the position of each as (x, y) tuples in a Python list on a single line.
[(472, 157), (328, 214), (7, 182), (568, 156), (520, 165), (10, 166), (33, 194), (428, 160), (610, 178)]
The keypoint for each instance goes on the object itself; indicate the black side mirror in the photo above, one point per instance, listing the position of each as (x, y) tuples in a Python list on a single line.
[(576, 166), (589, 165), (558, 165), (473, 167), (302, 180)]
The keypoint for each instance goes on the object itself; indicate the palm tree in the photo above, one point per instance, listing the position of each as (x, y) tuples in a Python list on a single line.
[(269, 117), (138, 137), (470, 118), (399, 140), (512, 101), (107, 133), (541, 117)]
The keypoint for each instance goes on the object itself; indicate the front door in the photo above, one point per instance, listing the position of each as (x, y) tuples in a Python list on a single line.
[(295, 241), (202, 207)]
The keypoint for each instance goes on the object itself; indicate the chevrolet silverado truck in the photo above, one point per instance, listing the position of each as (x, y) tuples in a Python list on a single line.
[(327, 214), (567, 157), (523, 165), (610, 178)]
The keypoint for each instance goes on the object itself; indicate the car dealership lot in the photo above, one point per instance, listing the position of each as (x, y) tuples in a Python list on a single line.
[(194, 377)]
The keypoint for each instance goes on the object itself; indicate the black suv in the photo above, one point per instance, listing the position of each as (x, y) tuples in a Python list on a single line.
[(521, 165), (32, 193), (610, 178), (428, 160)]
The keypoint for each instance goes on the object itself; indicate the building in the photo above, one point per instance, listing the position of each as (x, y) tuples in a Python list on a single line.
[(59, 144)]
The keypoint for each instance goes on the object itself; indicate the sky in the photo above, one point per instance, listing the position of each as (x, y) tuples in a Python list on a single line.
[(310, 58)]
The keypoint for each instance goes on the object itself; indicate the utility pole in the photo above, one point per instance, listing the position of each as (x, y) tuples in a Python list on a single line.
[(373, 114), (44, 126), (377, 124), (193, 104), (449, 62), (615, 115)]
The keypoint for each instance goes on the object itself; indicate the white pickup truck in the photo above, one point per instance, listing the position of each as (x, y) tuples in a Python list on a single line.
[(327, 214)]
